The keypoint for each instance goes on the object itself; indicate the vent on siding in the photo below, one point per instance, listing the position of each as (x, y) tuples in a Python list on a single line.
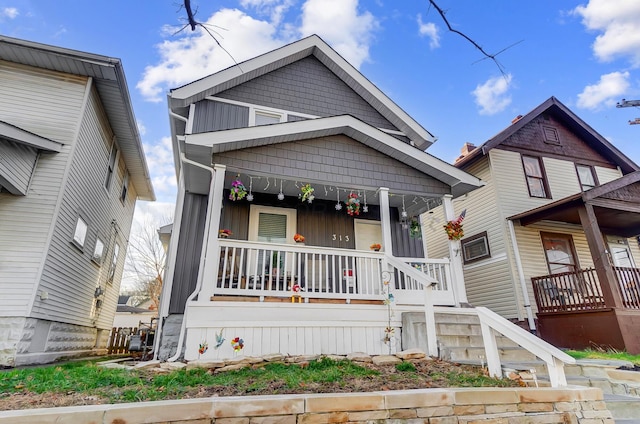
[(551, 135), (272, 228)]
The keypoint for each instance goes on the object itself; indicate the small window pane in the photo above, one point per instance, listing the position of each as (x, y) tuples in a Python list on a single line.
[(532, 167), (535, 176), (272, 228), (80, 233), (98, 251), (265, 118), (585, 175), (114, 262), (536, 187)]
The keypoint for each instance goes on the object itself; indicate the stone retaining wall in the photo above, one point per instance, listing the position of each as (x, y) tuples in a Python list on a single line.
[(427, 406)]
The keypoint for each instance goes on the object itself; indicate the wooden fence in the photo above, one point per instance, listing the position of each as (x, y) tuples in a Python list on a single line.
[(119, 339)]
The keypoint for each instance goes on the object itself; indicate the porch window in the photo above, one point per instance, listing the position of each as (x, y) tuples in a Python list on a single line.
[(475, 248), (272, 228), (559, 252), (586, 176), (536, 179)]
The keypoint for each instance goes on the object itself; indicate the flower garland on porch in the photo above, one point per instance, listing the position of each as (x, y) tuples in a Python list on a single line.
[(307, 193), (454, 228), (353, 204)]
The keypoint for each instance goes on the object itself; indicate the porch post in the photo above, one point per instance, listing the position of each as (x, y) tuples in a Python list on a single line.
[(600, 256), (385, 221), (209, 272), (455, 255)]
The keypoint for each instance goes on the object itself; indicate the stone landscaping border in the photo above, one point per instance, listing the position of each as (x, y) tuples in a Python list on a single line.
[(545, 405)]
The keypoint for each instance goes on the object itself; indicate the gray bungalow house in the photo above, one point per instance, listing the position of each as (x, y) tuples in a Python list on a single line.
[(292, 143), (71, 170)]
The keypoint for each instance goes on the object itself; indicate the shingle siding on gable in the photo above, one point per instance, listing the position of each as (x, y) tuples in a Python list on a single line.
[(309, 87), (337, 160), (215, 116), (17, 162)]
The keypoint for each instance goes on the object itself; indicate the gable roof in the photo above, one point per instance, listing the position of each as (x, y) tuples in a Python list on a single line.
[(110, 81), (201, 146), (310, 46), (571, 120)]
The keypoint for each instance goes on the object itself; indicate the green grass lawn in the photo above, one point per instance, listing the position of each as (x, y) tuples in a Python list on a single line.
[(601, 354), (86, 383)]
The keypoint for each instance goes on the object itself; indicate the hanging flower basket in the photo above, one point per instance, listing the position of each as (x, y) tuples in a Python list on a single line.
[(353, 204), (307, 193), (454, 228), (415, 230), (238, 190)]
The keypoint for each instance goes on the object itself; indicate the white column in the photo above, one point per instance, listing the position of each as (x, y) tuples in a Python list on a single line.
[(208, 273), (385, 220), (455, 254)]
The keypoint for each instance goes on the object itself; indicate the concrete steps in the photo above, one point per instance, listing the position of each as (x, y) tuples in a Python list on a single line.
[(625, 409)]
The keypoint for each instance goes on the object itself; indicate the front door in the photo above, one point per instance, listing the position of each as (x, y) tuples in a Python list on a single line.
[(367, 232)]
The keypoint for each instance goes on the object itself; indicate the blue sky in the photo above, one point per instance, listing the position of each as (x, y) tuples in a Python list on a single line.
[(586, 53)]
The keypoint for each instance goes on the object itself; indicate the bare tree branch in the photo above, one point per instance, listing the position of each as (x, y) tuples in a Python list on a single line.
[(487, 55)]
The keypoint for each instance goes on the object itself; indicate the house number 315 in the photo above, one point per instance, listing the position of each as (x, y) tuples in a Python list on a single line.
[(340, 237)]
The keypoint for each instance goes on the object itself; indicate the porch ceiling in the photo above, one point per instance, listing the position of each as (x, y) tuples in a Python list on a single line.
[(615, 216)]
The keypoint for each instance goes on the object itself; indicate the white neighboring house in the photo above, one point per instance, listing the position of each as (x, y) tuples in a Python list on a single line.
[(128, 315), (71, 169)]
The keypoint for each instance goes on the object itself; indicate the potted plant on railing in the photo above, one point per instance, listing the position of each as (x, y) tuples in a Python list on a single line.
[(298, 238), (375, 247), (224, 233)]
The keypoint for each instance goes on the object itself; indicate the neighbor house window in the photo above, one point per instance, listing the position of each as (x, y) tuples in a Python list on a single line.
[(80, 233), (475, 248), (559, 252), (586, 176), (114, 262), (111, 166), (266, 118), (536, 179), (125, 187), (98, 251)]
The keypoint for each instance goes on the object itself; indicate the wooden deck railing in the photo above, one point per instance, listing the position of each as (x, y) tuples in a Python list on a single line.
[(568, 291), (581, 290), (268, 269)]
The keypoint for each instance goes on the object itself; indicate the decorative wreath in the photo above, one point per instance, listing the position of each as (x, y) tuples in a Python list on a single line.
[(353, 204), (237, 344), (238, 190), (454, 228)]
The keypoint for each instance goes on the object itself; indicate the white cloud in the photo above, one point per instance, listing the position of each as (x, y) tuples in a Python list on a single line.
[(492, 96), (605, 91), (429, 30), (163, 177), (275, 9), (141, 128), (340, 24), (9, 12), (619, 24), (196, 55)]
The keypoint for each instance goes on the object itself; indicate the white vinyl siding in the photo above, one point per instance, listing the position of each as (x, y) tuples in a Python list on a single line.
[(68, 270), (47, 104), (607, 174), (16, 166)]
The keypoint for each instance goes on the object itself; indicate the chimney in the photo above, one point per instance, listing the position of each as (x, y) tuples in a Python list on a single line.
[(466, 149), (516, 119)]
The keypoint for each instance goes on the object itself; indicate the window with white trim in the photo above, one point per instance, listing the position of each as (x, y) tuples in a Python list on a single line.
[(536, 178), (475, 248), (263, 117), (125, 187), (114, 263), (80, 233), (111, 166), (98, 251)]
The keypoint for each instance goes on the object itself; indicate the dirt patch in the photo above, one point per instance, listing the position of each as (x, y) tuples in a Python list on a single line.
[(427, 374)]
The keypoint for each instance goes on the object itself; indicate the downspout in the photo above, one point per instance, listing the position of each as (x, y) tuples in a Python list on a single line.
[(183, 327), (523, 283)]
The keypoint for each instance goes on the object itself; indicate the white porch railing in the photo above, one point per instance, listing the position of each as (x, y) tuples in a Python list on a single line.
[(268, 269)]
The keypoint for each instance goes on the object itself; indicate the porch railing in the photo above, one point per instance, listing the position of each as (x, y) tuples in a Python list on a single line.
[(629, 283), (268, 269), (568, 291)]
